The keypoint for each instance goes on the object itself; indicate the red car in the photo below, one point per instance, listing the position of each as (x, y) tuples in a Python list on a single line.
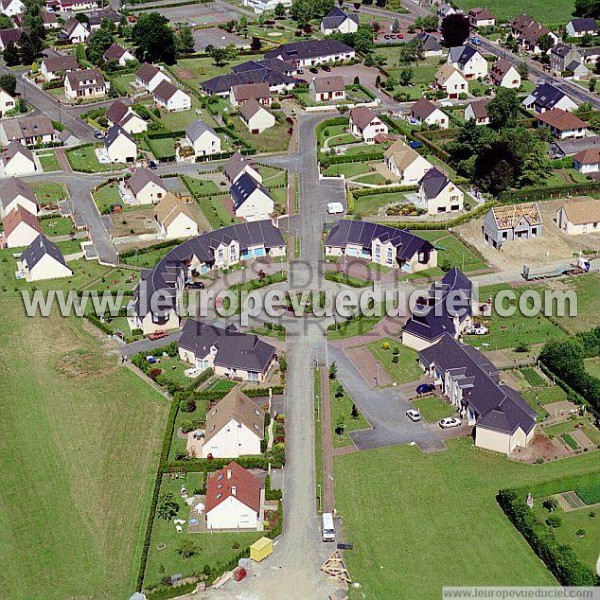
[(157, 335)]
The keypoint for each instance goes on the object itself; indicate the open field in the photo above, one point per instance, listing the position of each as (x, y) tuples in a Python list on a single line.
[(438, 510), (592, 366), (83, 158), (274, 139), (50, 192), (57, 226), (433, 408), (49, 161), (80, 439), (195, 70), (405, 369), (548, 13), (341, 409)]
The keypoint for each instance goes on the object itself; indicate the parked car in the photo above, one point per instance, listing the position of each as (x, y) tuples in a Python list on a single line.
[(413, 415), (151, 359), (478, 330), (415, 145), (157, 335), (152, 165), (425, 388), (327, 69), (449, 422), (98, 135), (196, 285)]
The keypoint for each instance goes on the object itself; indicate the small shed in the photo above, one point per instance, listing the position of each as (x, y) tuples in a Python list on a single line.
[(261, 549)]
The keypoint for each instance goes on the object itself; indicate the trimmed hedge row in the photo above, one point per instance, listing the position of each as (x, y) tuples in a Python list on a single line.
[(543, 193), (159, 246), (346, 279), (165, 592), (560, 559), (338, 160), (193, 465)]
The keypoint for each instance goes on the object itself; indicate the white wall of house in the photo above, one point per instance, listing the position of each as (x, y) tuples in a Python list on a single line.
[(413, 173), (232, 514), (450, 199), (208, 143), (586, 168), (177, 102), (79, 34), (19, 165), (455, 84), (135, 124), (501, 442), (415, 342), (370, 131), (21, 235), (48, 268), (232, 441), (574, 229), (346, 26), (20, 200), (511, 79), (150, 193), (260, 121), (16, 7), (122, 150), (475, 68), (7, 102), (153, 83), (148, 326), (258, 206), (439, 118), (98, 91), (180, 227), (127, 56)]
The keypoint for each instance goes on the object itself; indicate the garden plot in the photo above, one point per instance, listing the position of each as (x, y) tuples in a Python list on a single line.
[(134, 222)]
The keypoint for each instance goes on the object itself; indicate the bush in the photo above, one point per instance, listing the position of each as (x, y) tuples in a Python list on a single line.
[(554, 520)]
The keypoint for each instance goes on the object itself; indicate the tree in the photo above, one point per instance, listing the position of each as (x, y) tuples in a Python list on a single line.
[(523, 70), (504, 109), (27, 49), (592, 84), (545, 42), (168, 507), (256, 44), (412, 51), (332, 371), (536, 166), (185, 40), (21, 105), (587, 8), (550, 504), (8, 81), (230, 52), (354, 412), (6, 22), (340, 425), (154, 38), (406, 76), (427, 23), (280, 11), (219, 55), (243, 26), (82, 18), (455, 30), (587, 40), (98, 43), (11, 55), (301, 11), (187, 549), (339, 391)]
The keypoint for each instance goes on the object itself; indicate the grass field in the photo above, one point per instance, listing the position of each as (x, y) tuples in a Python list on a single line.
[(80, 439), (348, 169), (274, 139), (592, 366), (537, 398), (50, 192), (49, 161), (436, 521), (352, 328), (433, 409), (370, 204), (406, 369), (83, 158), (341, 408), (107, 196), (548, 13), (195, 70), (57, 226)]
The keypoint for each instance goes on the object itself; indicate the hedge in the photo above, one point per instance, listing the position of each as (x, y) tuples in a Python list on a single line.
[(543, 193), (193, 465), (346, 279), (338, 160), (561, 560), (390, 189), (159, 246), (204, 376), (165, 592)]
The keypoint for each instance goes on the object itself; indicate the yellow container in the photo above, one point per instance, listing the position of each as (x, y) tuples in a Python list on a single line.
[(261, 549)]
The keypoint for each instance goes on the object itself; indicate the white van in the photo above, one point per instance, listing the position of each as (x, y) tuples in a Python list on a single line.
[(328, 528), (335, 208)]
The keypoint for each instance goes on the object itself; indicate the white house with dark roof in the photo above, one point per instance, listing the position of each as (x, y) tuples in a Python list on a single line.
[(74, 31), (229, 352), (119, 54), (478, 112), (238, 164), (323, 89), (260, 6), (20, 228), (431, 44), (146, 186), (15, 192), (120, 146), (202, 138), (7, 102), (312, 52), (234, 427), (339, 21), (437, 194), (18, 160), (546, 97), (251, 199), (425, 111), (481, 17), (10, 35), (406, 163), (581, 27), (564, 55), (42, 260), (11, 8), (256, 118), (171, 98), (86, 84), (503, 420), (55, 67), (118, 113), (468, 61), (504, 74), (149, 76), (366, 125)]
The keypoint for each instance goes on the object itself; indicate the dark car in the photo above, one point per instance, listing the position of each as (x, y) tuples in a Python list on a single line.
[(313, 70), (425, 388), (152, 165), (327, 69), (98, 135), (196, 285)]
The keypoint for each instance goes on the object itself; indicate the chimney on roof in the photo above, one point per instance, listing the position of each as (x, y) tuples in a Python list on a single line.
[(228, 473), (233, 490)]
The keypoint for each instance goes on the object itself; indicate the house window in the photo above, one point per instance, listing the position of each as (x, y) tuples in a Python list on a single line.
[(389, 256), (534, 231), (505, 235), (252, 376), (220, 254), (377, 252)]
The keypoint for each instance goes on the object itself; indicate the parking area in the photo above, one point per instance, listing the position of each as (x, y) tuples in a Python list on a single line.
[(219, 38), (198, 14)]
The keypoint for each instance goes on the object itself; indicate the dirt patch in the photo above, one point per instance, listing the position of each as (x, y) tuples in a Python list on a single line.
[(551, 247), (134, 222), (368, 366), (583, 440), (80, 364), (541, 447), (560, 411)]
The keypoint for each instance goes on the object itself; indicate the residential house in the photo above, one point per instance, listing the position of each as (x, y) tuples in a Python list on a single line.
[(237, 165), (85, 84), (15, 192), (76, 5), (323, 89), (149, 76), (242, 93), (426, 112), (338, 21), (251, 199), (468, 61), (365, 124), (74, 31), (218, 249), (11, 8), (313, 52), (118, 113), (577, 71), (171, 98), (562, 56), (562, 124), (234, 498), (546, 97), (256, 118), (203, 139), (503, 420), (120, 146), (587, 161), (448, 309), (229, 352), (107, 14), (176, 216), (588, 55), (386, 246), (504, 74), (580, 27), (119, 54), (7, 102), (478, 112), (260, 6), (431, 44), (437, 194), (146, 186), (405, 163), (18, 160), (43, 260), (49, 19), (503, 224), (444, 10), (530, 37), (573, 146), (578, 218), (20, 228), (11, 35), (29, 131), (235, 427), (55, 67), (481, 17), (451, 81)]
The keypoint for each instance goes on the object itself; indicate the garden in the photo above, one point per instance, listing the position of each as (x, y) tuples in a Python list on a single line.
[(399, 362)]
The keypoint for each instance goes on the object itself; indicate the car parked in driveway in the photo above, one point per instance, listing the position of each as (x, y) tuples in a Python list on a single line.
[(425, 388), (413, 415), (449, 422)]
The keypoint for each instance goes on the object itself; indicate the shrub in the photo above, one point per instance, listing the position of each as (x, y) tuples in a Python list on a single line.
[(554, 521)]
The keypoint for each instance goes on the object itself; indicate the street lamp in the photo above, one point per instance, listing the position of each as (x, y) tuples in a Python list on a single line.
[(319, 495), (318, 409)]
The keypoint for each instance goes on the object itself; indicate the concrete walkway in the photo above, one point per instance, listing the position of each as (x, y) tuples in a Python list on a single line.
[(328, 492)]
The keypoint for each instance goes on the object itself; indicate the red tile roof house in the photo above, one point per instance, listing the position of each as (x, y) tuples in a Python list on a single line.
[(587, 161), (563, 124), (365, 124), (20, 228), (481, 17), (322, 89), (234, 499), (240, 94), (119, 54), (478, 112)]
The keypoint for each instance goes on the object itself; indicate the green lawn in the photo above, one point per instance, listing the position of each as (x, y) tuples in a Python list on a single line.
[(274, 139), (57, 226), (50, 192), (509, 332), (163, 148), (179, 120), (568, 426), (271, 176), (195, 70), (80, 439), (278, 334), (373, 178), (341, 408), (347, 169), (147, 260), (84, 158), (201, 187), (107, 196), (547, 13), (537, 398), (592, 366), (358, 326), (216, 212), (406, 369), (433, 409), (436, 522), (49, 161), (370, 205)]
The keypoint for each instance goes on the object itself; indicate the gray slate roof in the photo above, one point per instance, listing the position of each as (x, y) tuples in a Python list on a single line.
[(38, 249), (13, 187), (433, 182), (244, 187), (336, 17), (141, 178), (113, 134), (236, 164), (196, 129), (308, 49)]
